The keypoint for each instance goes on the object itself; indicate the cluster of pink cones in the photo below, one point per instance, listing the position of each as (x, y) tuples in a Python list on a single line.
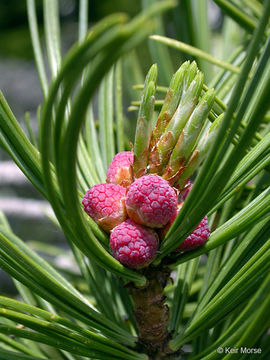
[(138, 212)]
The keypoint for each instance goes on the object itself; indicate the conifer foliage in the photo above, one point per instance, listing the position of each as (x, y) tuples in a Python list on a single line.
[(170, 229)]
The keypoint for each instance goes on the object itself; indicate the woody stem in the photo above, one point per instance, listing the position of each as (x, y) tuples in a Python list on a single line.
[(152, 314)]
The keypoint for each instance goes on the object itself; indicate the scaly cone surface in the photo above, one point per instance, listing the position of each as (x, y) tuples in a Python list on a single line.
[(151, 201), (104, 203), (133, 245)]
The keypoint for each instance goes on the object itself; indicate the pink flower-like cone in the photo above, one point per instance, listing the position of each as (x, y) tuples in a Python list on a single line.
[(120, 169), (133, 245), (105, 203), (196, 239), (151, 201)]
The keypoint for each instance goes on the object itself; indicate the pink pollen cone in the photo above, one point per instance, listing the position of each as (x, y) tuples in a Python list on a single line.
[(151, 201), (133, 245), (196, 239), (105, 204), (120, 169)]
